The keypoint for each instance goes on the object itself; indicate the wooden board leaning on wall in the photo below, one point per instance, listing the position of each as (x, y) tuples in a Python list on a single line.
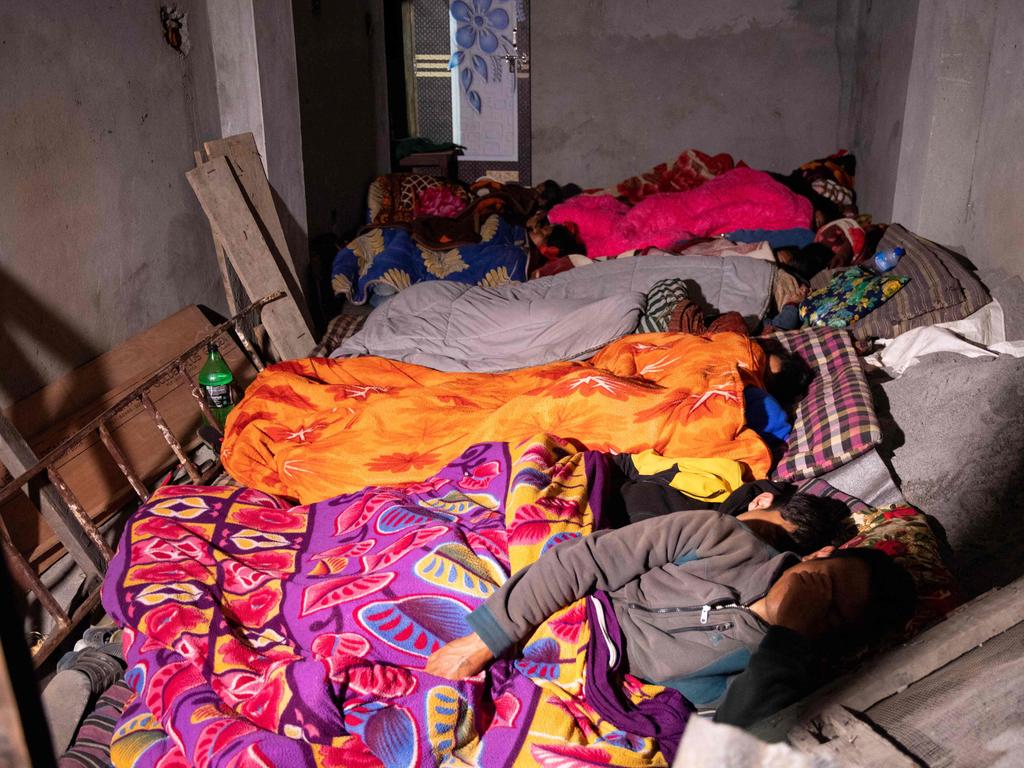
[(56, 411)]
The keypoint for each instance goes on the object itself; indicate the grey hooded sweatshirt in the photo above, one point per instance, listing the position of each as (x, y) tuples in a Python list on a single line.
[(680, 585)]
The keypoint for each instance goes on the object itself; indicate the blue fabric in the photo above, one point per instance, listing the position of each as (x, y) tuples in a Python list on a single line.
[(778, 238), (688, 557), (707, 686), (765, 416), (788, 319), (482, 621), (389, 256)]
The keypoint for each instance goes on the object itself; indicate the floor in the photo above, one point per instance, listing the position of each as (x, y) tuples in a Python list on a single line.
[(954, 437)]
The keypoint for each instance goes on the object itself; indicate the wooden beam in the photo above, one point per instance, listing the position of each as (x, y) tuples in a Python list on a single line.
[(18, 457), (245, 160), (849, 739), (234, 226)]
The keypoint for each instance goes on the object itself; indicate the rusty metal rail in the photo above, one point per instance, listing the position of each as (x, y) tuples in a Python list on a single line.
[(88, 540)]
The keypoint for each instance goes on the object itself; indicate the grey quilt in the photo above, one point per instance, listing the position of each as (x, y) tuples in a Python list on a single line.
[(455, 327)]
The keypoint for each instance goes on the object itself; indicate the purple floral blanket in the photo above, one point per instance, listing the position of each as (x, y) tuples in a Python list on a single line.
[(258, 634)]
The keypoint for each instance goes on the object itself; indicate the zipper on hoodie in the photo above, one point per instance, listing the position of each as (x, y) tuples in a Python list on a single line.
[(683, 609), (722, 627)]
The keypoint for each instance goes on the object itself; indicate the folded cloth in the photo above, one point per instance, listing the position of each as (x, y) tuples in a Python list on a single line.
[(982, 334)]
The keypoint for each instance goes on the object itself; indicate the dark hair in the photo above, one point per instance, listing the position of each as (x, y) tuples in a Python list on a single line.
[(565, 241), (808, 261), (550, 193), (892, 595), (819, 521), (797, 183), (790, 383)]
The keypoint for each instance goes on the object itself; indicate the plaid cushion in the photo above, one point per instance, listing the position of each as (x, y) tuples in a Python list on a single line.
[(661, 300), (941, 288), (92, 742), (836, 421), (340, 328)]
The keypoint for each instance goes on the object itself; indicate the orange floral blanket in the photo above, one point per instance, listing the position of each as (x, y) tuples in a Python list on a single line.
[(315, 428)]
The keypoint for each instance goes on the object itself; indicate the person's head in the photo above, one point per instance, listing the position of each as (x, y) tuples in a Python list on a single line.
[(550, 193), (787, 376), (855, 594), (805, 262), (553, 240), (845, 238), (804, 523)]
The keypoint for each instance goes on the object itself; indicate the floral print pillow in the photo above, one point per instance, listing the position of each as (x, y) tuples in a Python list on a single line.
[(903, 533), (849, 296)]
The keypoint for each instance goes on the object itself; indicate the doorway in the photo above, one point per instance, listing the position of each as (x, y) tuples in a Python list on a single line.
[(459, 71)]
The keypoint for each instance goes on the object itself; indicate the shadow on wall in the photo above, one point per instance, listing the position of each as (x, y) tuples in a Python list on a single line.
[(23, 315)]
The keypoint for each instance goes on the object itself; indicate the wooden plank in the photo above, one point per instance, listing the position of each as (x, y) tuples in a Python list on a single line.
[(59, 409), (967, 627), (235, 226), (245, 160), (18, 457), (850, 740)]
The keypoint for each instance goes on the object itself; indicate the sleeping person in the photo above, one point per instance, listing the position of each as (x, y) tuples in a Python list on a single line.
[(646, 487), (704, 606)]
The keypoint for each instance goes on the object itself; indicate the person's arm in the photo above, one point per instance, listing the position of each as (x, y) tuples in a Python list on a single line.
[(779, 673), (605, 560)]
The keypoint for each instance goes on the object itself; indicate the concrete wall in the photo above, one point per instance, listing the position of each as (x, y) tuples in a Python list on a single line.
[(872, 125), (994, 228), (943, 112), (620, 86), (100, 234), (953, 171)]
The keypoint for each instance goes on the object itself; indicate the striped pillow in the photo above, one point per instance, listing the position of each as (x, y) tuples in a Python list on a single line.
[(941, 288), (661, 300)]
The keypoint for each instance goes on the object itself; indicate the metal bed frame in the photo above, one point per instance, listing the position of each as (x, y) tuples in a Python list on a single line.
[(76, 530)]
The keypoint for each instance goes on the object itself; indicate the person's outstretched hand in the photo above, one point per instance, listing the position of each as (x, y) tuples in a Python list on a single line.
[(460, 658)]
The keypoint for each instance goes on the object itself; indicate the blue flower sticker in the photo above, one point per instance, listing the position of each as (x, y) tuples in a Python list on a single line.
[(478, 22)]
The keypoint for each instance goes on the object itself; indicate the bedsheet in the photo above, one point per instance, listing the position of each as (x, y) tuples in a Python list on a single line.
[(258, 634), (311, 429), (387, 260), (454, 327)]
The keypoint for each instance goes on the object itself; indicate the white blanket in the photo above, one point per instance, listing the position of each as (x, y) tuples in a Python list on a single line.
[(982, 334)]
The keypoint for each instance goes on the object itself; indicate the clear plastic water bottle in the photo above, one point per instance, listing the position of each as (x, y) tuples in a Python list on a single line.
[(885, 260)]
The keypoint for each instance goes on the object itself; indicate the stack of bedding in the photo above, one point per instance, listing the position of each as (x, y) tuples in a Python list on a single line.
[(461, 432)]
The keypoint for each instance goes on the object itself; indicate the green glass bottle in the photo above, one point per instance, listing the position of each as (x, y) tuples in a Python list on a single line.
[(216, 381)]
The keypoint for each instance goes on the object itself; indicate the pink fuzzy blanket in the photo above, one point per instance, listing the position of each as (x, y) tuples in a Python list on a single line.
[(739, 199)]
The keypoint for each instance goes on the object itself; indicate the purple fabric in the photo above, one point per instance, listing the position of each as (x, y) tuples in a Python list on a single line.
[(663, 717)]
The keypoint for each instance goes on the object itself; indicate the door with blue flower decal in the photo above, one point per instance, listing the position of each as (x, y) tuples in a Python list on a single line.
[(467, 81)]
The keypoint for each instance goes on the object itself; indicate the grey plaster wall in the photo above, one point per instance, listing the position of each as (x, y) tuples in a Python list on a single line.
[(620, 86), (342, 103), (994, 227), (872, 126), (100, 234), (943, 112)]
